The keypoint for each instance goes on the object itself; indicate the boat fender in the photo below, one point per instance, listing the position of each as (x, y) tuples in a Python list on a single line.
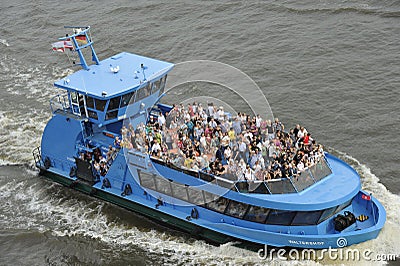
[(127, 191), (47, 163), (194, 214), (72, 171), (159, 203), (106, 183)]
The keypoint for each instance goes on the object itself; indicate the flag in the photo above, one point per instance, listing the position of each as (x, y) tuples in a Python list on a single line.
[(62, 45), (81, 39), (366, 197)]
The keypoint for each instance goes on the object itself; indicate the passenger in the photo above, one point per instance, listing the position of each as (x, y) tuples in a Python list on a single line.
[(277, 125), (242, 148), (155, 148), (117, 142), (227, 153), (219, 170), (249, 174)]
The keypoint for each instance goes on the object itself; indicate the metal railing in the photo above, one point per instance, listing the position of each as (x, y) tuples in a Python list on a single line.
[(60, 102), (291, 184), (37, 157)]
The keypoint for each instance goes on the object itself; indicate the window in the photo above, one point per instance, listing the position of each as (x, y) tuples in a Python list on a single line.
[(163, 185), (320, 170), (327, 213), (74, 97), (303, 181), (280, 217), (179, 191), (111, 115), (147, 180), (214, 202), (156, 86), (141, 93), (127, 98), (100, 104), (162, 84), (306, 218), (236, 209), (89, 102), (195, 196), (92, 114), (114, 103), (343, 205), (257, 214)]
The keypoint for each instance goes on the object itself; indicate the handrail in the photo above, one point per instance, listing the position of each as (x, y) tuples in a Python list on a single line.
[(60, 102), (267, 183)]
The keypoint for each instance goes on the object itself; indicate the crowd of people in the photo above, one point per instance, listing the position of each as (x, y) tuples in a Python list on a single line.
[(241, 147)]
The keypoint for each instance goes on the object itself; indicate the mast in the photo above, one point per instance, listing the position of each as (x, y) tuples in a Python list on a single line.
[(80, 40)]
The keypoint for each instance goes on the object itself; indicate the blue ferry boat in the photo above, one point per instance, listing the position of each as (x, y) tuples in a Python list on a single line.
[(322, 206)]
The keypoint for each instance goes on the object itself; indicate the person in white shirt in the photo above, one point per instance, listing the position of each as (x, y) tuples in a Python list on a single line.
[(161, 119)]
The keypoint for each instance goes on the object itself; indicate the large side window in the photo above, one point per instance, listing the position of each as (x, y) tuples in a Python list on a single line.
[(280, 217), (327, 214), (306, 218), (236, 209), (195, 196), (147, 180), (163, 185), (257, 214), (179, 191), (216, 203)]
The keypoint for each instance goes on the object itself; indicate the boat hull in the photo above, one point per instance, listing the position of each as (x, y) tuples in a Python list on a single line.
[(214, 233)]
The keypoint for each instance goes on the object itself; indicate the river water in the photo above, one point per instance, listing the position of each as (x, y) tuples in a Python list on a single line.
[(332, 67)]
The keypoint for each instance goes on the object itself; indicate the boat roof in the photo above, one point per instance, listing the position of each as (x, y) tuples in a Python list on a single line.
[(116, 75)]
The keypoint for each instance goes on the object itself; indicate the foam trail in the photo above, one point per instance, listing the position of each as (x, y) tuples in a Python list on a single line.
[(387, 241)]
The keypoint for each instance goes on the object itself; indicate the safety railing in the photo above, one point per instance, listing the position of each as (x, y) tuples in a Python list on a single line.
[(292, 184), (60, 102)]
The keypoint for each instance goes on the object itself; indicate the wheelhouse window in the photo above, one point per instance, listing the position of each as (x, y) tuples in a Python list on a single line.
[(143, 92), (156, 86), (89, 102), (114, 103), (113, 106), (127, 98), (162, 84), (100, 104)]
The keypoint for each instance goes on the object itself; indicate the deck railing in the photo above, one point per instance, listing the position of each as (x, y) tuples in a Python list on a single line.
[(60, 102), (291, 184)]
